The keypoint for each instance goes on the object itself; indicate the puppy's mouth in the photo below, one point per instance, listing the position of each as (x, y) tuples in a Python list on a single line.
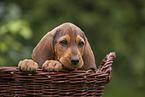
[(71, 63)]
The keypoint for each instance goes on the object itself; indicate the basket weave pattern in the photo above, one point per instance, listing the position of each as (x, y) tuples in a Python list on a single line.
[(77, 83)]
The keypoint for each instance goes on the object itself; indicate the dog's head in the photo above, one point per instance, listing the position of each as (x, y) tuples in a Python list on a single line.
[(67, 44)]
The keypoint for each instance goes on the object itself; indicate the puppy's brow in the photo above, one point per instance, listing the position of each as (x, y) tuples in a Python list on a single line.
[(83, 37), (79, 38), (66, 37)]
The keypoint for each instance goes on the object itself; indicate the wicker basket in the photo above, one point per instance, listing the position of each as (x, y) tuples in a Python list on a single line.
[(79, 83)]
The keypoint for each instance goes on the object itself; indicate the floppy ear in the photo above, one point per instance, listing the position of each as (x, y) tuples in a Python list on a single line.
[(88, 57), (44, 49)]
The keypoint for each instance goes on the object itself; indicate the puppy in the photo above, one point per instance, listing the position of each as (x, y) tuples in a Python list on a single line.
[(65, 47)]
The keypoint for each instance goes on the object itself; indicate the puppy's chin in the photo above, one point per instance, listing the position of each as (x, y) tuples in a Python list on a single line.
[(68, 65)]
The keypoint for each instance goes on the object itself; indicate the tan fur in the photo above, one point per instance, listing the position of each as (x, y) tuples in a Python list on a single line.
[(53, 56)]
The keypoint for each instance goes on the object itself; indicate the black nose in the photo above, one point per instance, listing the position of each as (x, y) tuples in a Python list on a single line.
[(74, 60)]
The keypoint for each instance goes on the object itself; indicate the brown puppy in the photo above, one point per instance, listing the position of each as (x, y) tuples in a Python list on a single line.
[(65, 47)]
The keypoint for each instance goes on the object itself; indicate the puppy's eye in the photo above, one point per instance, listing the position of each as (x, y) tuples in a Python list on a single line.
[(81, 44), (63, 43)]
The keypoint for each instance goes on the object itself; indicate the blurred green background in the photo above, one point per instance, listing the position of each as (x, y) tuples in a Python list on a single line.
[(110, 25)]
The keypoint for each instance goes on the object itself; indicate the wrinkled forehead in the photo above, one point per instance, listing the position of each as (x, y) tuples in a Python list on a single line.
[(72, 32)]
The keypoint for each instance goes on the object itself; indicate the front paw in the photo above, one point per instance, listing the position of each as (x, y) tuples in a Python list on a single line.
[(28, 65), (52, 65)]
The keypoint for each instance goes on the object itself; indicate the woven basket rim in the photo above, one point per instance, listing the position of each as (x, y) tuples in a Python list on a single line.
[(104, 69)]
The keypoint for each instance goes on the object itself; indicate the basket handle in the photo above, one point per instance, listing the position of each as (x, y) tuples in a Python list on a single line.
[(105, 65)]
